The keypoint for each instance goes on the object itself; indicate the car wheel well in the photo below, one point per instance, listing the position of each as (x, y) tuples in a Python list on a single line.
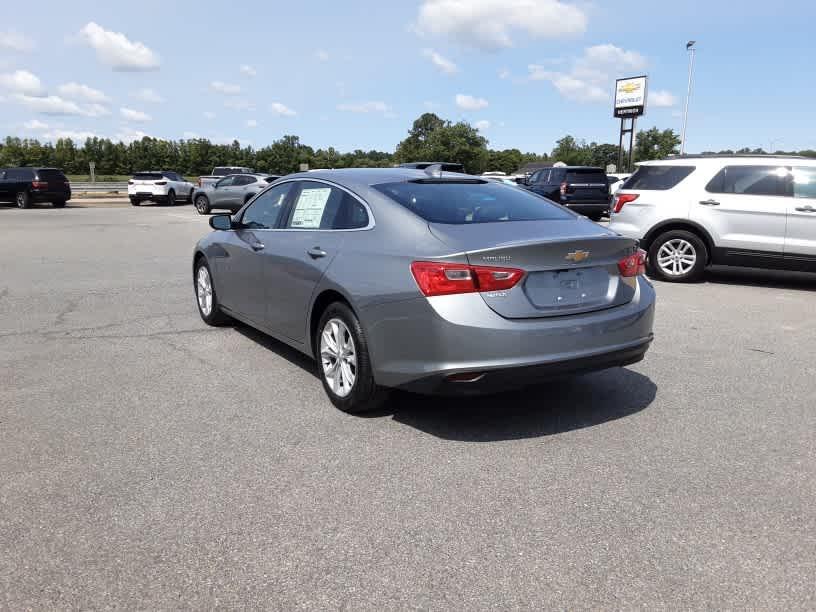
[(323, 301), (678, 225), (196, 258)]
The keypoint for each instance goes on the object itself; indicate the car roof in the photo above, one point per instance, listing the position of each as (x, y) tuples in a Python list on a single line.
[(365, 177), (730, 160)]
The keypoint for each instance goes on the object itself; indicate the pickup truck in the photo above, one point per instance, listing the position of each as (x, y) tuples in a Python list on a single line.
[(220, 172), (26, 186)]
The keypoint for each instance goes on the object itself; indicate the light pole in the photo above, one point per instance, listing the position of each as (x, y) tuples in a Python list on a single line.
[(690, 49)]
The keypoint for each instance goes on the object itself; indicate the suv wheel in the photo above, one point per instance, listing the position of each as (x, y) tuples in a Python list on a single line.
[(134, 202), (344, 362), (23, 200), (678, 256), (171, 198), (202, 205)]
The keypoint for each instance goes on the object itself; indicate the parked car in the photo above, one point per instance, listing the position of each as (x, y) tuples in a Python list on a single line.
[(26, 186), (220, 172), (159, 186), (231, 192), (393, 278), (446, 166), (692, 211), (580, 188)]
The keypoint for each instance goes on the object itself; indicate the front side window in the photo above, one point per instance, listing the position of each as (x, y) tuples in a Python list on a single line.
[(804, 182), (460, 203), (265, 210), (750, 180)]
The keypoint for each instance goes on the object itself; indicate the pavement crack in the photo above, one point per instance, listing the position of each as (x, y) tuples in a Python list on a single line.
[(70, 306)]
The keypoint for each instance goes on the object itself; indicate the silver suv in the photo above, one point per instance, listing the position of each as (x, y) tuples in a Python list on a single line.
[(688, 212), (231, 192)]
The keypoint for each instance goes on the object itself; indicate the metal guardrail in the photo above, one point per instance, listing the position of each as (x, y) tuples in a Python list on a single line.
[(110, 187)]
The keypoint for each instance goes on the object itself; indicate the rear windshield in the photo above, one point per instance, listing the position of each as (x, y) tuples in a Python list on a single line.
[(50, 174), (148, 176), (658, 178), (465, 203), (586, 176), (271, 179)]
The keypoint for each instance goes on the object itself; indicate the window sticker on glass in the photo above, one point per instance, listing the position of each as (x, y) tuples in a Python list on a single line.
[(309, 208)]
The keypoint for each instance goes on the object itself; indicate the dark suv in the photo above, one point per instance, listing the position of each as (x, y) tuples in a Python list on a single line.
[(446, 166), (25, 186), (580, 188)]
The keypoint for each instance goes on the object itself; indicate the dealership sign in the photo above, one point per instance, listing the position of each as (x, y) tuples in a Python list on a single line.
[(630, 97)]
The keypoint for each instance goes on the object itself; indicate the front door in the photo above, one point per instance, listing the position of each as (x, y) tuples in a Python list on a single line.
[(800, 240), (220, 196), (745, 209)]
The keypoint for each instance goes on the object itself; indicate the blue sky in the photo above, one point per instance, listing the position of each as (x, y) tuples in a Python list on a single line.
[(355, 74)]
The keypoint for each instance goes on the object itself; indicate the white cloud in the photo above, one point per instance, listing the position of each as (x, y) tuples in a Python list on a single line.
[(134, 115), (489, 24), (225, 88), (15, 41), (128, 135), (95, 110), (75, 135), (591, 76), (148, 95), (114, 49), (251, 123), (209, 115), (21, 82), (239, 104), (247, 70), (372, 106), (281, 110), (54, 105), (482, 125), (661, 98), (35, 124), (470, 103), (77, 91), (445, 65), (504, 74), (321, 55)]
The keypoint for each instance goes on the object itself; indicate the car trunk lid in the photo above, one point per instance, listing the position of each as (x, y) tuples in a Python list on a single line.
[(570, 266)]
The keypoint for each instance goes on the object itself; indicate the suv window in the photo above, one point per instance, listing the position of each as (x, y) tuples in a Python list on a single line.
[(265, 210), (226, 181), (459, 203), (147, 176), (804, 182), (20, 174), (750, 180), (586, 176), (657, 178), (244, 180), (51, 174)]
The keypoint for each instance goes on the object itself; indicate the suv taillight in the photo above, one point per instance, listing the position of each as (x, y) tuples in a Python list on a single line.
[(622, 199), (39, 184), (564, 188), (438, 278), (634, 264)]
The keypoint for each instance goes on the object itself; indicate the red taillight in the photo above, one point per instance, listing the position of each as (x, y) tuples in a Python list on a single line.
[(160, 183), (564, 188), (634, 264), (39, 184), (436, 278), (622, 199)]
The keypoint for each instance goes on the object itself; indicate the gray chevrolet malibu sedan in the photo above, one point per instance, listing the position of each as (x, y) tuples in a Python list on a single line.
[(427, 281)]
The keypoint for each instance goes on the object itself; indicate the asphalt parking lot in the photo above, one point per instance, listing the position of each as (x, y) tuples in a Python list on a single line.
[(148, 461)]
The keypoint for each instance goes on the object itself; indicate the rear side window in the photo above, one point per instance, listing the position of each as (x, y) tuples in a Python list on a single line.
[(147, 176), (750, 180), (804, 182), (244, 180), (657, 178), (463, 203), (592, 177), (321, 206), (20, 174)]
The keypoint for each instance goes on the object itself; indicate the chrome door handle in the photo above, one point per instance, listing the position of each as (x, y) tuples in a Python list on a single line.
[(316, 253), (709, 202), (807, 208)]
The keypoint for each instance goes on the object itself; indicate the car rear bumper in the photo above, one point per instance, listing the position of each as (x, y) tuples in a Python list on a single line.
[(50, 196), (145, 197), (418, 344), (588, 208)]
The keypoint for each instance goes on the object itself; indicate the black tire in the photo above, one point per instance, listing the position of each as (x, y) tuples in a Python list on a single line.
[(215, 316), (202, 204), (365, 395), (171, 198), (23, 199), (696, 248), (134, 202), (58, 204)]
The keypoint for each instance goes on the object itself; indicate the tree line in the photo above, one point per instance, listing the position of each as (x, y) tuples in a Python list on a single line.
[(430, 138)]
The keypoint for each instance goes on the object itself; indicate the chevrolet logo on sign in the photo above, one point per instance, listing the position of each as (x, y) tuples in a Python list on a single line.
[(577, 256), (630, 87)]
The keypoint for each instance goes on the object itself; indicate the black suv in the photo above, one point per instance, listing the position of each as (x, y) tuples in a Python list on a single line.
[(580, 188), (26, 186), (446, 166)]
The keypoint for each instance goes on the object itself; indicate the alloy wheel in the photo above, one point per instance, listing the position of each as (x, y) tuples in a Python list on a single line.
[(338, 357), (204, 290), (676, 257)]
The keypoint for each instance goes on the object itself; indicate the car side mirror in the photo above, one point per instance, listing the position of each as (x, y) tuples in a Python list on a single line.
[(221, 222)]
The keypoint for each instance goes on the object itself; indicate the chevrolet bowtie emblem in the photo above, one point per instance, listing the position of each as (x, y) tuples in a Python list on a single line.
[(577, 256)]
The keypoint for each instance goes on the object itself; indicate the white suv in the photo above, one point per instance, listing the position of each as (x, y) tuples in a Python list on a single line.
[(688, 212), (162, 187)]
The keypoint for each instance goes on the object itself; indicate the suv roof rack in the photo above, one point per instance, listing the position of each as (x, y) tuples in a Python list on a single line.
[(714, 155)]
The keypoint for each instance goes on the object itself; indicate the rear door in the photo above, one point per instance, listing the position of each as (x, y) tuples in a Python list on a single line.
[(744, 208), (800, 238)]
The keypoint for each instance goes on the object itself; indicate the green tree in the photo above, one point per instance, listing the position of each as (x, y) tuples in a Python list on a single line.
[(656, 144), (570, 151)]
